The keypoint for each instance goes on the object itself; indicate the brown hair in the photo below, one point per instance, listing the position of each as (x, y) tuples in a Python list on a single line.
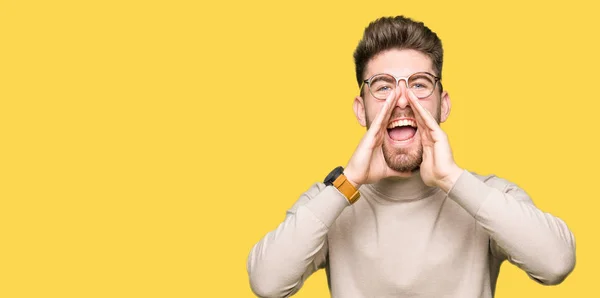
[(397, 33)]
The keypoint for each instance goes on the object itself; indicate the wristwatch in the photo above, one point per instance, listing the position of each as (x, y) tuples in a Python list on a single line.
[(337, 179)]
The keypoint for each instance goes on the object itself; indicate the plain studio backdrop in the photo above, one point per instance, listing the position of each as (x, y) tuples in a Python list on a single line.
[(147, 145)]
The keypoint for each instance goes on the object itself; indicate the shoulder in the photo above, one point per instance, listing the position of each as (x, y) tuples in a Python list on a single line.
[(503, 185)]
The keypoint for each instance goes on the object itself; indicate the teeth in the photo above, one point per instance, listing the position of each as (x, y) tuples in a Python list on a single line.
[(403, 122)]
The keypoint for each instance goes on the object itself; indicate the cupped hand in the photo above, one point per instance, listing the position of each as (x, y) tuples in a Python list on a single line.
[(367, 164), (438, 167)]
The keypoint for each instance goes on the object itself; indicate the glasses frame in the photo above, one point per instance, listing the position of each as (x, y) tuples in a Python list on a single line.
[(398, 79)]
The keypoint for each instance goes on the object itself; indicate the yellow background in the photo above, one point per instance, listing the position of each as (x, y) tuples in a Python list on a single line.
[(147, 145)]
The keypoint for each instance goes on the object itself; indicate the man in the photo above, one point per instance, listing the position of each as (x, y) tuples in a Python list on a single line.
[(402, 219)]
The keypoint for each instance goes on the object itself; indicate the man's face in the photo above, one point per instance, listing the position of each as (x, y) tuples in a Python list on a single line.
[(402, 149)]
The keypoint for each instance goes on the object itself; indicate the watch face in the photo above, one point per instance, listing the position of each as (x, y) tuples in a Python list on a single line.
[(333, 175)]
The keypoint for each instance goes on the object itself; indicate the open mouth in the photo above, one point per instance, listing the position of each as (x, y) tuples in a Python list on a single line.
[(402, 130)]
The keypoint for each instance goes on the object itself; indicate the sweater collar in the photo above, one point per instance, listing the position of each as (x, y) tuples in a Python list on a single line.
[(402, 189)]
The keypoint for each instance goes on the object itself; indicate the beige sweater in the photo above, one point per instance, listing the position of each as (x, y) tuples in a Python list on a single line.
[(405, 239)]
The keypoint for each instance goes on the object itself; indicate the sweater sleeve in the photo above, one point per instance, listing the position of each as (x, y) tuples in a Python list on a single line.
[(284, 258), (535, 241)]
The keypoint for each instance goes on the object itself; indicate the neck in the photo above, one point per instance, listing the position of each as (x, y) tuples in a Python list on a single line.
[(402, 189)]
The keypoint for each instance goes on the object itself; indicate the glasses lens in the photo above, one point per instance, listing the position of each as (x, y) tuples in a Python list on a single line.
[(382, 85), (421, 84)]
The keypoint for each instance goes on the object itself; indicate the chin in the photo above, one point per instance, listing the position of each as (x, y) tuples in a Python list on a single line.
[(404, 160)]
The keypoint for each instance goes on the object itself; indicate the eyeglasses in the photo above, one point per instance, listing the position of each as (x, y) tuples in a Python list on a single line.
[(421, 84)]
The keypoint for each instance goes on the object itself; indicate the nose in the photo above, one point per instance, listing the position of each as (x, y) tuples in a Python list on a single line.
[(402, 95)]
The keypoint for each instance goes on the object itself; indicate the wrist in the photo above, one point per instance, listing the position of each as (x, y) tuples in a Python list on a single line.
[(449, 180), (338, 179), (350, 177)]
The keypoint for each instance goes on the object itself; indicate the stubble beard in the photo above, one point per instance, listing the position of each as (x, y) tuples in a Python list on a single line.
[(403, 160)]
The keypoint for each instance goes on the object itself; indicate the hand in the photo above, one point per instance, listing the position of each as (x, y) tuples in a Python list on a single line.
[(438, 167), (367, 164)]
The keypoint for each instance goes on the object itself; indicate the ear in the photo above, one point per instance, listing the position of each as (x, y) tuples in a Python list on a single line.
[(446, 105), (359, 110)]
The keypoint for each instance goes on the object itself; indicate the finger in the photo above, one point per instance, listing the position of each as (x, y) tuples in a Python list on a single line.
[(422, 128), (385, 112), (418, 112), (426, 117)]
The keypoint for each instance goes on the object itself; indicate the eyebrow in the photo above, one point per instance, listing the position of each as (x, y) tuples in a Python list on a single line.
[(384, 78), (423, 75), (403, 76)]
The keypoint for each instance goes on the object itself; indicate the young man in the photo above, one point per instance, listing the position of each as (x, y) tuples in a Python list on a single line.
[(402, 219)]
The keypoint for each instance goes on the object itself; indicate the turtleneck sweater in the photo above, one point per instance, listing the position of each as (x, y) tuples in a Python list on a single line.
[(403, 238)]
